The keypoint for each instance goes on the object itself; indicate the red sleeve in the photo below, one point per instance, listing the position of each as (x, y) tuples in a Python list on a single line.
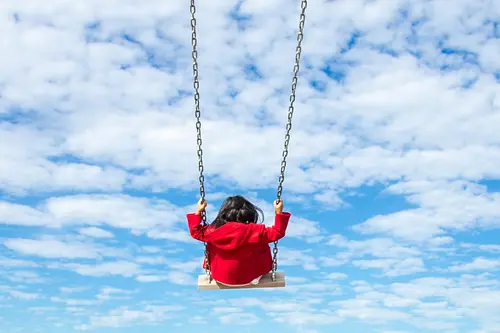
[(261, 233), (196, 230)]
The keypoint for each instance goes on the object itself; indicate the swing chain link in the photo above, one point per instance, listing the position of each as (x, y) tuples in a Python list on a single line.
[(196, 86), (296, 67)]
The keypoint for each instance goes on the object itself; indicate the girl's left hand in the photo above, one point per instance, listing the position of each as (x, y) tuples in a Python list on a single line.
[(202, 204)]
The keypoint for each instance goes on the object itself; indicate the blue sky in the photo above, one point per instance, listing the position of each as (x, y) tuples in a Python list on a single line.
[(392, 176)]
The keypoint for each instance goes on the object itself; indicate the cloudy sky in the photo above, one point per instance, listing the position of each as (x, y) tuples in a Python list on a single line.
[(393, 176)]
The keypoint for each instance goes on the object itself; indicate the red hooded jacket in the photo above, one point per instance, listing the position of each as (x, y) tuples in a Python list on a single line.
[(238, 252)]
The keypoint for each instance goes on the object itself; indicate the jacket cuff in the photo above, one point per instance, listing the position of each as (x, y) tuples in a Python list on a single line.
[(281, 222), (193, 220), (284, 214)]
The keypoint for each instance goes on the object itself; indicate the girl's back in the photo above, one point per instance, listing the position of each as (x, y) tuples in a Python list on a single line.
[(238, 247)]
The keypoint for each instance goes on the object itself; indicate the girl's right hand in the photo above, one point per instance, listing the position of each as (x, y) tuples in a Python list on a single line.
[(202, 204), (278, 206)]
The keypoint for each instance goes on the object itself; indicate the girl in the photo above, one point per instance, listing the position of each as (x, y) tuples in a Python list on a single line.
[(238, 247)]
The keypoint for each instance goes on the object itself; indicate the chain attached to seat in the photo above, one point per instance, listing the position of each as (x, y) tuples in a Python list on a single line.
[(196, 86), (291, 108)]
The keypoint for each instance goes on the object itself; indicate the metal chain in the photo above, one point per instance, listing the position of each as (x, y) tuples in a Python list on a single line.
[(291, 108), (196, 85)]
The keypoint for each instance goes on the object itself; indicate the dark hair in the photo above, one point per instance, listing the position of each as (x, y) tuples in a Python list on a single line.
[(237, 209)]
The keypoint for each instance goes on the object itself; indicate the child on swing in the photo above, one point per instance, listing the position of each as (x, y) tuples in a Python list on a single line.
[(238, 247)]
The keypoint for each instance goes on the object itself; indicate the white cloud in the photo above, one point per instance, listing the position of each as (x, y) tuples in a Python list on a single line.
[(305, 229), (478, 264), (17, 214), (25, 277), (123, 268), (368, 310), (385, 254), (181, 278), (75, 302), (95, 232), (9, 262), (26, 151), (124, 317), (482, 247), (377, 247), (277, 308), (151, 249), (156, 218), (218, 310), (289, 257), (306, 318), (337, 276), (452, 205), (23, 295), (133, 141), (239, 319), (174, 277), (187, 266), (393, 267), (151, 278), (151, 260), (53, 248), (117, 211), (110, 293), (70, 290), (42, 309)]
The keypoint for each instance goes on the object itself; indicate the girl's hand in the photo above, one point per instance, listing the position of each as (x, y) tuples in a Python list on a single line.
[(202, 204), (278, 206)]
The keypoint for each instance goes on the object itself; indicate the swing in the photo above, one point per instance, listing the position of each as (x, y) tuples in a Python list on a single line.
[(205, 282), (273, 279)]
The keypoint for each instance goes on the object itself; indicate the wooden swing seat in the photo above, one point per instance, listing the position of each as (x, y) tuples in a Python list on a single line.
[(266, 281)]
